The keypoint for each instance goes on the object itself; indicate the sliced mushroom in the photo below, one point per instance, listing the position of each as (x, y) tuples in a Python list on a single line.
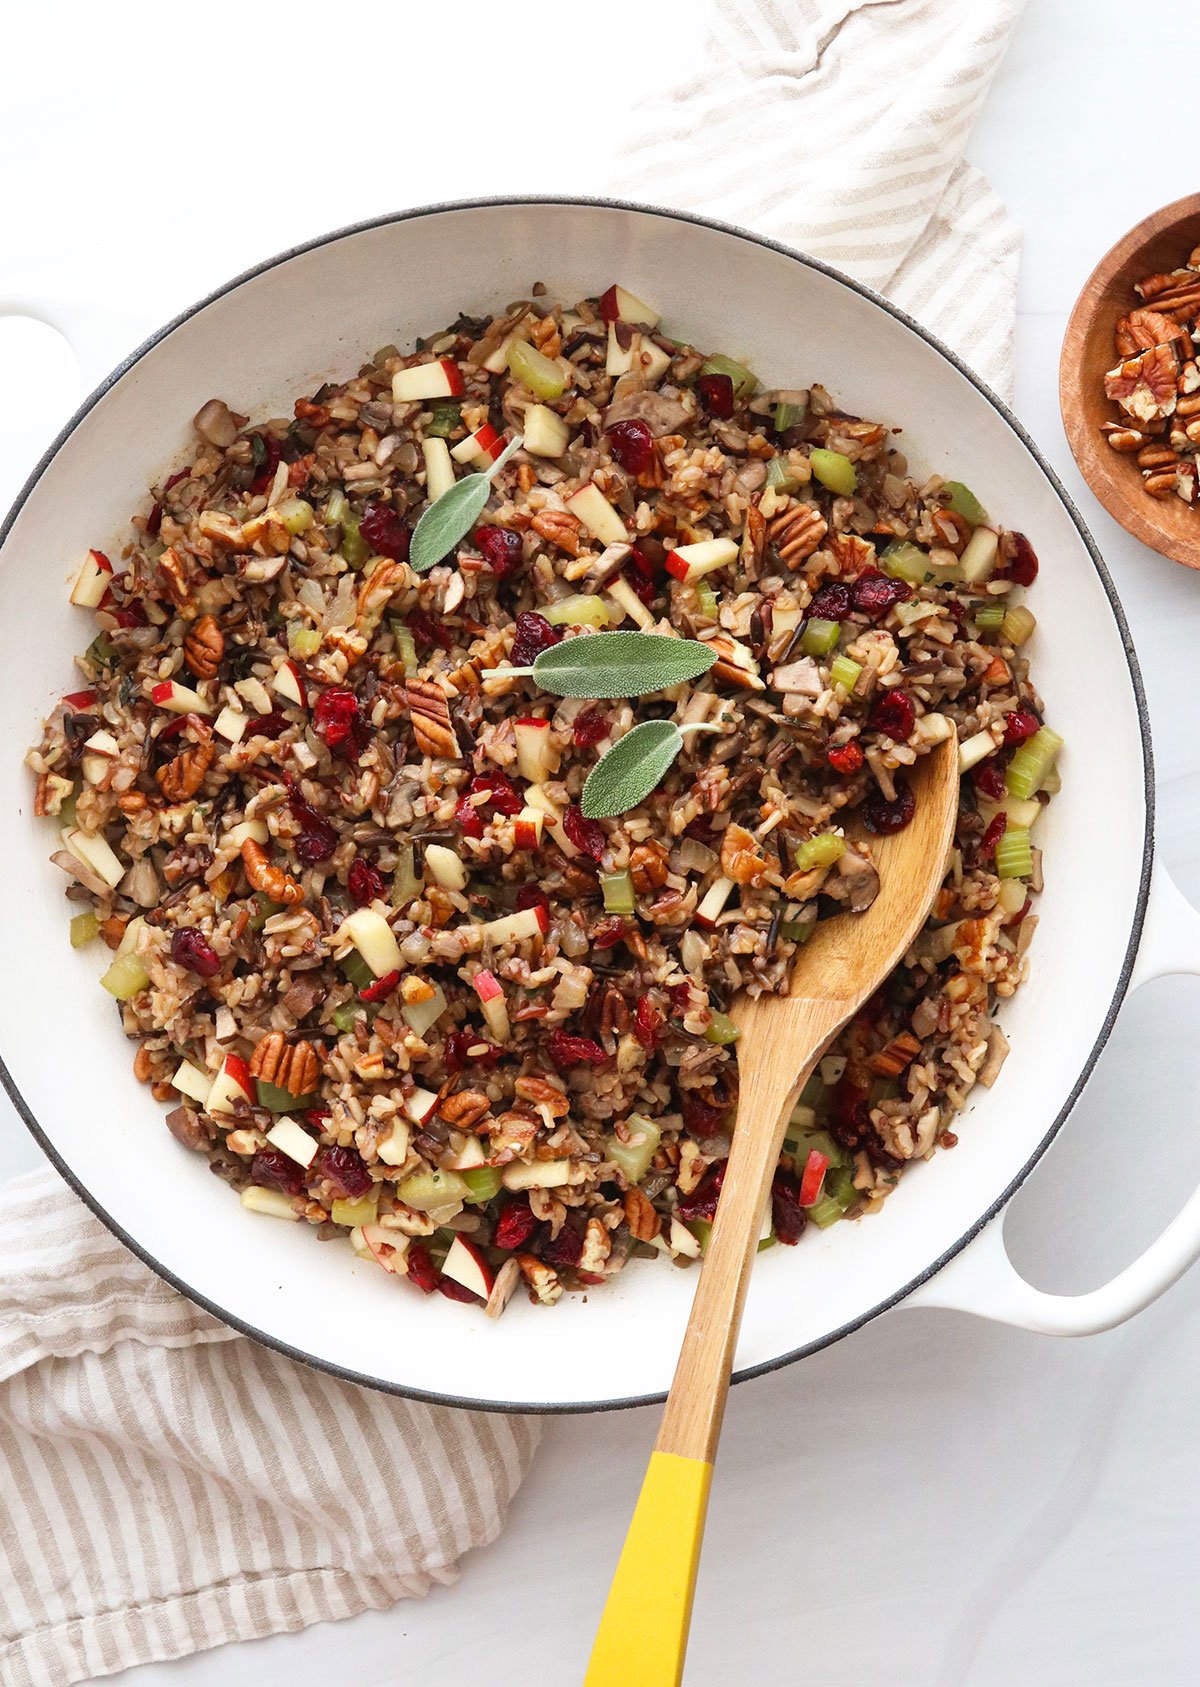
[(802, 677)]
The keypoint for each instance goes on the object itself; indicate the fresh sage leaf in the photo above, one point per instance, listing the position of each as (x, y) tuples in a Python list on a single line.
[(625, 775), (625, 664), (452, 516)]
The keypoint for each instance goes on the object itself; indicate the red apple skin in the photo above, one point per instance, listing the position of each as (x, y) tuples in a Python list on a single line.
[(80, 699), (383, 1245), (486, 1276), (543, 918), (610, 311), (676, 566), (300, 685), (453, 377), (239, 1071), (486, 987), (161, 692)]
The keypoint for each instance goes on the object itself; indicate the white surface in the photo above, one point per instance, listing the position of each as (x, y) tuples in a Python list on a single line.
[(933, 1501)]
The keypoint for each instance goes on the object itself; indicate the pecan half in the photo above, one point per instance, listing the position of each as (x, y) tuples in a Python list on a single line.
[(734, 664), (1141, 330), (644, 1223), (204, 647), (899, 1053), (648, 867), (544, 1286), (465, 1108), (430, 714), (293, 1067), (558, 527), (741, 860), (797, 532), (754, 539), (183, 775), (174, 572), (264, 875), (541, 1094), (1144, 386), (267, 534)]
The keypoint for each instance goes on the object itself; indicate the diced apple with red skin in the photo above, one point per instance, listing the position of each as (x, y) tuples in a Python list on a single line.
[(712, 902), (491, 998), (481, 447), (420, 1106), (92, 581), (439, 470), (189, 1080), (537, 758), (374, 939), (469, 1156), (692, 562), (617, 304), (537, 797), (387, 1247), (592, 508), (546, 434), (81, 699), (527, 828), (441, 379), (466, 1265), (289, 683), (515, 928), (179, 699), (640, 357), (232, 1083), (99, 750)]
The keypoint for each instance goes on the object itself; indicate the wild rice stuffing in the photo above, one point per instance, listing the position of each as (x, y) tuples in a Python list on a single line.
[(391, 979)]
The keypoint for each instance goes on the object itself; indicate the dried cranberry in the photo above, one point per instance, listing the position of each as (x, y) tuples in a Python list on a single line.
[(268, 726), (702, 1201), (875, 593), (645, 590), (364, 882), (272, 1169), (563, 1250), (833, 602), (272, 450), (846, 758), (384, 531), (129, 615), (632, 444), (988, 779), (154, 520), (345, 1170), (995, 831), (591, 727), (647, 1021), (565, 1050), (318, 1118), (788, 1216), (465, 1047), (1020, 725), (1023, 569), (894, 714), (317, 839), (586, 835), (381, 989), (681, 995), (716, 394), (469, 818), (532, 896), (645, 565), (500, 549), (701, 1118), (427, 631), (454, 1290), (174, 479), (883, 817), (501, 794), (515, 1225), (534, 634), (339, 721), (421, 1270), (191, 949), (608, 933)]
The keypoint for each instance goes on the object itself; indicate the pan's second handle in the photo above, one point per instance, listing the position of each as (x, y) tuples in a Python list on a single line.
[(98, 336), (984, 1280)]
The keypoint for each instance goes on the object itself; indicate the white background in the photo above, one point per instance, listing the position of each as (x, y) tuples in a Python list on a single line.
[(933, 1503)]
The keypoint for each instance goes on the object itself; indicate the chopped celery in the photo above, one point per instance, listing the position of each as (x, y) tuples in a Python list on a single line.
[(990, 618), (1032, 762), (780, 476), (357, 970), (821, 851), (484, 1182), (701, 1229), (618, 892), (844, 672), (534, 370), (706, 598), (100, 652), (840, 1182), (796, 931), (264, 911), (353, 546), (785, 416), (825, 1212), (807, 1140), (277, 1100), (296, 515), (1018, 625), (302, 641), (904, 561), (406, 645), (405, 883), (744, 382), (813, 1093), (345, 1015), (721, 1030), (819, 637), (834, 470), (361, 1211), (1014, 858), (84, 928), (963, 502), (445, 418), (426, 1191), (125, 977), (336, 509), (66, 814), (581, 610), (633, 1158)]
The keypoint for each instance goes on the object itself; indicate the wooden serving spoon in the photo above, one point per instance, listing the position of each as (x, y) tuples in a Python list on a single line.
[(643, 1632)]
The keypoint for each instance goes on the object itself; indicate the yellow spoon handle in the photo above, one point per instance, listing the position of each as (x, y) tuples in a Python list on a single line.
[(643, 1633)]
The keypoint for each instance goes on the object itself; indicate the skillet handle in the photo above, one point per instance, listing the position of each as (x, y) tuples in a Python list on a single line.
[(98, 336), (983, 1280)]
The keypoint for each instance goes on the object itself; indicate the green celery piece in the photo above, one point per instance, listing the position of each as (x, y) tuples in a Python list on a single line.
[(277, 1100), (353, 546), (345, 1015), (84, 928), (834, 470), (780, 476), (744, 381), (990, 618), (617, 889), (721, 1030), (357, 970), (904, 561), (964, 502), (825, 1212), (633, 1158), (707, 598), (821, 851), (101, 652), (484, 1182), (1032, 762), (820, 637), (844, 671), (445, 418), (785, 416)]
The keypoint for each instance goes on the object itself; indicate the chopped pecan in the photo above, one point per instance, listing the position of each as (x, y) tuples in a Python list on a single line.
[(132, 802), (183, 775), (112, 930), (796, 532), (1177, 294), (899, 1053), (754, 539), (853, 552), (204, 647), (465, 1108), (221, 529), (1141, 330), (1156, 457), (648, 866), (376, 592), (142, 1066), (174, 572), (597, 1245), (1123, 438), (293, 1067), (558, 527), (734, 664), (644, 1223), (1144, 386), (512, 1135), (316, 415), (267, 534), (1160, 482), (741, 859), (52, 791), (264, 875), (545, 336), (653, 476), (430, 713), (544, 1286), (541, 1094)]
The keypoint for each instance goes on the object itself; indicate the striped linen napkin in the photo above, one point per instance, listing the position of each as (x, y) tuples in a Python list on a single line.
[(150, 1505)]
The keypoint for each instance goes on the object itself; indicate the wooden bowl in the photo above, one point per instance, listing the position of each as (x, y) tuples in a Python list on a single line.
[(1160, 243)]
